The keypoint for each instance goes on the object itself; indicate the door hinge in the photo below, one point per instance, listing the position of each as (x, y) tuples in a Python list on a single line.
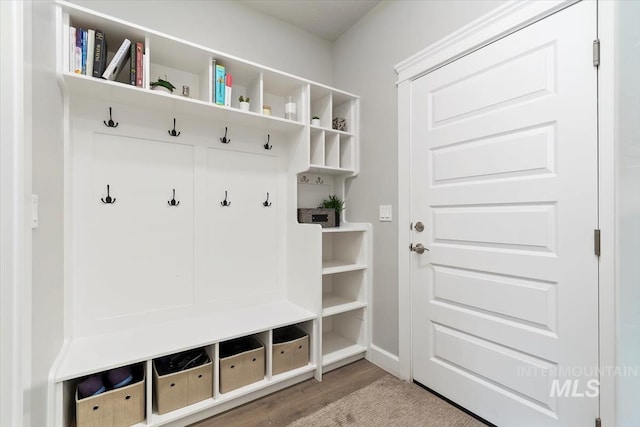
[(596, 53), (596, 242), (598, 422)]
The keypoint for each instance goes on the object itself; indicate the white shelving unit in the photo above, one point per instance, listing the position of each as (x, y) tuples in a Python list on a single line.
[(345, 294), (344, 338), (147, 276), (334, 151), (345, 271)]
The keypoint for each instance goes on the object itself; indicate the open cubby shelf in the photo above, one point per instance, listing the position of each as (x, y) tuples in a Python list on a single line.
[(343, 291), (344, 336), (217, 398), (98, 353)]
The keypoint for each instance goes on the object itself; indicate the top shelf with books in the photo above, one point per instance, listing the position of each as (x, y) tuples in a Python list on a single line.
[(92, 44), (154, 61)]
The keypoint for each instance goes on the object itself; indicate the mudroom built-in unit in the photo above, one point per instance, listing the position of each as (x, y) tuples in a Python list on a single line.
[(182, 243)]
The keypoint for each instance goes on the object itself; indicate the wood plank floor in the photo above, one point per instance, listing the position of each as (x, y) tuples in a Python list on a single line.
[(286, 406)]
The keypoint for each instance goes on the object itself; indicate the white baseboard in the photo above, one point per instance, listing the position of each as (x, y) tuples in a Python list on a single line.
[(382, 358)]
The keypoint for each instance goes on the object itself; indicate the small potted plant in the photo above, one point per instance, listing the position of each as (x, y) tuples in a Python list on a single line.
[(315, 121), (333, 202), (244, 103), (163, 85)]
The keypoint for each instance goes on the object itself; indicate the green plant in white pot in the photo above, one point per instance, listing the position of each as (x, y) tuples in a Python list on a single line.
[(244, 103), (335, 203)]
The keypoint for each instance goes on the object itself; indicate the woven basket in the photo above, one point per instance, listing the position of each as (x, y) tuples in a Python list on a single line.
[(325, 217), (339, 123)]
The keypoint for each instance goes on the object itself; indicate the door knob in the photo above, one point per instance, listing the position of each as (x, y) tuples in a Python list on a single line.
[(419, 226), (418, 248)]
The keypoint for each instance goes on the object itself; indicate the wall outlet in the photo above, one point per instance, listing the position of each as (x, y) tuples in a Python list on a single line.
[(34, 211), (385, 213)]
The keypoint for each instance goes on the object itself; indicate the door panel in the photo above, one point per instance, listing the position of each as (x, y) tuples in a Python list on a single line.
[(474, 92), (518, 227), (525, 301), (504, 176), (518, 153)]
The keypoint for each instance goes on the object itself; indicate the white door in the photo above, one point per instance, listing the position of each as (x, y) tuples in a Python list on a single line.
[(504, 179)]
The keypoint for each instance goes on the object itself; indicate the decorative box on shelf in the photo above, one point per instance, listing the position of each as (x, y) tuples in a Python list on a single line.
[(121, 406), (242, 362), (323, 216), (340, 123), (182, 379), (290, 349)]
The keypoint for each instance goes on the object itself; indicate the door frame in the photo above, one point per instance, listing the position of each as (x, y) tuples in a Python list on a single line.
[(15, 242), (500, 22)]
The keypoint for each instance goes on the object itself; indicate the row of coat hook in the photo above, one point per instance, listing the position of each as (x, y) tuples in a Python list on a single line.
[(175, 133), (173, 202), (226, 203)]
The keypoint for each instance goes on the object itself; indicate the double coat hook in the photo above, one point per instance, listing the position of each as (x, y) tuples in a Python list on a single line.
[(108, 200), (173, 131), (110, 123), (225, 203), (173, 202), (266, 203), (267, 146), (224, 139)]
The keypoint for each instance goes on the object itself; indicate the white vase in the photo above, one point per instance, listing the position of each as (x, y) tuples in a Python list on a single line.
[(315, 122), (244, 106), (161, 89), (290, 111)]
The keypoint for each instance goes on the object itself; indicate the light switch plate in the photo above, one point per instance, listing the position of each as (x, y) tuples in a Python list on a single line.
[(385, 213)]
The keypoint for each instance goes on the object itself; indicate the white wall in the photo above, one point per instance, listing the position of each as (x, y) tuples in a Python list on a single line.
[(46, 119), (627, 110), (232, 28), (364, 59)]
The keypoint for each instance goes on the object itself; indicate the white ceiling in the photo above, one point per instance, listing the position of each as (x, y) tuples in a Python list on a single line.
[(327, 19)]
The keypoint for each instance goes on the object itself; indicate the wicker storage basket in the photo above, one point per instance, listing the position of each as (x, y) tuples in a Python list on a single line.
[(322, 216)]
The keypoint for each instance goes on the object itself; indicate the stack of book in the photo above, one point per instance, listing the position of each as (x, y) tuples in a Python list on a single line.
[(88, 56), (222, 83)]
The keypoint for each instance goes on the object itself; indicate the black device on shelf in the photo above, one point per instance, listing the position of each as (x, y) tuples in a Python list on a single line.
[(181, 361)]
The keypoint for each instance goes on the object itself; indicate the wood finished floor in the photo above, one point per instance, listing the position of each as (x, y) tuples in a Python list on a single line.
[(286, 406)]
